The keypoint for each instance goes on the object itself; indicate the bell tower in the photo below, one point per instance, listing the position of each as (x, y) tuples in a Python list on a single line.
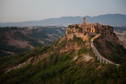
[(84, 20)]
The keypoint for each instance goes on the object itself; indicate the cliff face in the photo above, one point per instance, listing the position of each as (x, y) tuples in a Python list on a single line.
[(86, 30), (107, 44), (122, 37)]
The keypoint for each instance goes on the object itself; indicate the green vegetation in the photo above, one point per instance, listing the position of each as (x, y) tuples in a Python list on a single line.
[(70, 26), (78, 40), (83, 50), (59, 69), (76, 26), (19, 58), (123, 72)]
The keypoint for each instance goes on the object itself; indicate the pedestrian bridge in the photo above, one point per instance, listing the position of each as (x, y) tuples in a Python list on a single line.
[(99, 57)]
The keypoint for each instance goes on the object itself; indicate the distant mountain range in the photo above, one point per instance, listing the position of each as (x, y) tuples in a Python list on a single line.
[(109, 19)]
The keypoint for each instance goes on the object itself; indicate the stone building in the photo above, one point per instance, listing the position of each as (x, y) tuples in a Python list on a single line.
[(88, 28)]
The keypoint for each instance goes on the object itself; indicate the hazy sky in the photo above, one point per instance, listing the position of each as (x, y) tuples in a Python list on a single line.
[(26, 10)]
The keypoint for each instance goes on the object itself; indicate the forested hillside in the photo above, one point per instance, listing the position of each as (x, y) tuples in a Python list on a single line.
[(64, 62)]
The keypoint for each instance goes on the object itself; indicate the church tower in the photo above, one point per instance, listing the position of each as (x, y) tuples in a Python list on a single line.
[(84, 20)]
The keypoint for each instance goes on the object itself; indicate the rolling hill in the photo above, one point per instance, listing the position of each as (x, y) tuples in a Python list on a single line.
[(19, 39)]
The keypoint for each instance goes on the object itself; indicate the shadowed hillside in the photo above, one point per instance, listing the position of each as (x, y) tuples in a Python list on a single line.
[(19, 39)]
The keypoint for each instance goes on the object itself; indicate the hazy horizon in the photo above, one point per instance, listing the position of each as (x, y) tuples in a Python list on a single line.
[(54, 18), (32, 10)]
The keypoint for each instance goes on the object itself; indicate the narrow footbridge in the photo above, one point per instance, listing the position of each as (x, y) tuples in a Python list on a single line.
[(99, 57)]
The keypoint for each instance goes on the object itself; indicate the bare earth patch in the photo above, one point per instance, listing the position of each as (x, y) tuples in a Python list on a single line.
[(75, 58), (122, 37), (20, 65), (84, 58), (19, 43), (87, 58)]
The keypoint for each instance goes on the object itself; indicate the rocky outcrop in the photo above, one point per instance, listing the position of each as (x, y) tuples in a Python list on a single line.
[(108, 40), (86, 30), (122, 37)]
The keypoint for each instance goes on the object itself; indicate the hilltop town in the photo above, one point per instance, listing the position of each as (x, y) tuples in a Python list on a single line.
[(88, 29), (96, 36)]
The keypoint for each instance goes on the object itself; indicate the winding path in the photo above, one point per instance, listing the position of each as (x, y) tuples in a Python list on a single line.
[(98, 55)]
